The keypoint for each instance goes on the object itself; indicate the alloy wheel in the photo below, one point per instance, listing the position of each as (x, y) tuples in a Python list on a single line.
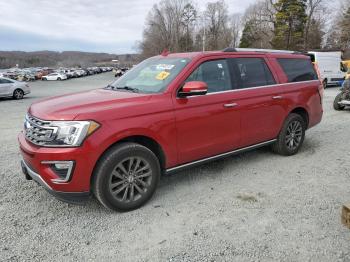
[(130, 179), (294, 135), (18, 94)]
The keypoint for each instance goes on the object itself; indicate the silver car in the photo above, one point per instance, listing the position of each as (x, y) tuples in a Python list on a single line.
[(13, 88)]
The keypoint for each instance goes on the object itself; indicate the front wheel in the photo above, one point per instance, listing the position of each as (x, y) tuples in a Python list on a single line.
[(126, 177), (336, 105), (291, 137)]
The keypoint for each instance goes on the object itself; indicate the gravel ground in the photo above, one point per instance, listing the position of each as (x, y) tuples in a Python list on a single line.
[(253, 207)]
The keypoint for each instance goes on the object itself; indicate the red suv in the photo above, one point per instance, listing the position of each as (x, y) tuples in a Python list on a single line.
[(169, 112)]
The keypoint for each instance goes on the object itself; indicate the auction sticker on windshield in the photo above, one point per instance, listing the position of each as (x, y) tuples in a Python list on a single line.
[(164, 67), (162, 75)]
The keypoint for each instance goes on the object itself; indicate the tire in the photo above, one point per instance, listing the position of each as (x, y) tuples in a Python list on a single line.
[(123, 169), (337, 99), (291, 137), (325, 83), (18, 94), (59, 79)]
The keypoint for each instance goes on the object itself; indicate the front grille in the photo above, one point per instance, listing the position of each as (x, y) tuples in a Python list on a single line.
[(38, 131)]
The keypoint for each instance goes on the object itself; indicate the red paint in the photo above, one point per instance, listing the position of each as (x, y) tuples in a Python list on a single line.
[(186, 129)]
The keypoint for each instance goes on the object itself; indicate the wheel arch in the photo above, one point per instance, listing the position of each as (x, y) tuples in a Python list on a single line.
[(143, 140), (303, 113)]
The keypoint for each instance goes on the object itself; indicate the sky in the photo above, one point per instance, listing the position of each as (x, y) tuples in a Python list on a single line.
[(111, 26)]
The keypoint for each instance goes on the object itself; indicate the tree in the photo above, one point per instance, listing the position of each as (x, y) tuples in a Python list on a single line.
[(313, 6), (189, 17), (315, 35), (345, 30), (249, 38), (218, 33), (235, 28), (166, 27), (258, 23), (289, 24)]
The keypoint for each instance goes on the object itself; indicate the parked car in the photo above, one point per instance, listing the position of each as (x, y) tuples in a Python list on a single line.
[(13, 88), (168, 113), (55, 76)]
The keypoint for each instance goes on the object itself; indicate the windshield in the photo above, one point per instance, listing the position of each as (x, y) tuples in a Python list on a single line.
[(152, 75)]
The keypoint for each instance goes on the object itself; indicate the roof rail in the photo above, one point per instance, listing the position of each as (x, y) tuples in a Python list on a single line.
[(229, 49), (265, 50)]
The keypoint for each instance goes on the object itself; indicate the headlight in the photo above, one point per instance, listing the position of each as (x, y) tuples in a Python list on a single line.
[(72, 133), (58, 133)]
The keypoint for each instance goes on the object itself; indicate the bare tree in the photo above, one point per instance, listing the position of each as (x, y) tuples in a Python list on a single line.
[(217, 18), (235, 28), (313, 6), (165, 27)]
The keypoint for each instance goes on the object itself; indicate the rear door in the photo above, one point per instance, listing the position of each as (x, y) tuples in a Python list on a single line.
[(209, 124), (259, 100)]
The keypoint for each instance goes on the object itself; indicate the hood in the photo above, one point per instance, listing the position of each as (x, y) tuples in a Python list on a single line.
[(68, 107)]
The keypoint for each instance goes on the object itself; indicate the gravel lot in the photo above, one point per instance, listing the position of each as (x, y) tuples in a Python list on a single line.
[(253, 207)]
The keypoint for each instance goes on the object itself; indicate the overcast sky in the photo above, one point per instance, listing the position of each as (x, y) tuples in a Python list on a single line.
[(111, 26)]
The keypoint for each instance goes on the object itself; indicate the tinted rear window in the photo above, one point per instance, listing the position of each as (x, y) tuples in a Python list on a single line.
[(251, 72), (298, 70)]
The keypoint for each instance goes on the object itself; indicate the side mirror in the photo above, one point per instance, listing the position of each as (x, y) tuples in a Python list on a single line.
[(193, 88)]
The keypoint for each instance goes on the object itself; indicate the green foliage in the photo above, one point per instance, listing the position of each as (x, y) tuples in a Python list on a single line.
[(249, 36), (289, 24)]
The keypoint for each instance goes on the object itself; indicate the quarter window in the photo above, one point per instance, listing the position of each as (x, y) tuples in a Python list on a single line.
[(298, 70), (215, 74), (251, 72)]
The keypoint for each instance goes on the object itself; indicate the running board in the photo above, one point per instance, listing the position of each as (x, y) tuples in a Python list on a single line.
[(212, 158)]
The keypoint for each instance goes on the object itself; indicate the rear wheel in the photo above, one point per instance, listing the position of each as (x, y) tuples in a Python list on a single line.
[(126, 177), (325, 83), (336, 105), (18, 94), (59, 79), (291, 137)]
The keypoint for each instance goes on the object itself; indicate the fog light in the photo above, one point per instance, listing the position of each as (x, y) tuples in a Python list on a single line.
[(63, 165), (63, 169)]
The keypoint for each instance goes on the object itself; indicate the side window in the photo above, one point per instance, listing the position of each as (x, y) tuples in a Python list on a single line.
[(215, 73), (251, 72), (298, 70), (5, 81)]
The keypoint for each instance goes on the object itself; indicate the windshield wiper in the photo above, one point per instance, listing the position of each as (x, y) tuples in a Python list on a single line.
[(128, 88), (109, 86)]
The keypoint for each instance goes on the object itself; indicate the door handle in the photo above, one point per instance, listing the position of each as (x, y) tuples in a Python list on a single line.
[(230, 105), (277, 97)]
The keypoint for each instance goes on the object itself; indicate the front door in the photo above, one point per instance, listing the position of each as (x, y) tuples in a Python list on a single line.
[(209, 124)]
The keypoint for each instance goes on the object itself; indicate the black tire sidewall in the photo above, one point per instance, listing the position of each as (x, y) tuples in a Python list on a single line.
[(14, 94), (108, 163), (337, 99), (282, 136)]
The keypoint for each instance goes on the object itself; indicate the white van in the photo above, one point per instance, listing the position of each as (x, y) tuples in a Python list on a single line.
[(329, 64)]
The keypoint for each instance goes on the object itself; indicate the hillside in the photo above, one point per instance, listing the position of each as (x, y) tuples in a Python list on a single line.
[(56, 59)]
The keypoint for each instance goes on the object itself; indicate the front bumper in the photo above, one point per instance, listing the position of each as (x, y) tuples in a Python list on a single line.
[(70, 197), (35, 166)]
